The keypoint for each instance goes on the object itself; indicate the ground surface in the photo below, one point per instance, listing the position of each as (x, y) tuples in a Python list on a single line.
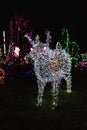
[(18, 108)]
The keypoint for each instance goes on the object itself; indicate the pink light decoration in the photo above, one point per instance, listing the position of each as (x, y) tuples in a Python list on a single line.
[(17, 27), (82, 65), (17, 51)]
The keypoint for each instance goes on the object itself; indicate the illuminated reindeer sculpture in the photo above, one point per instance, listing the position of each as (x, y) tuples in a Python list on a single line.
[(50, 66)]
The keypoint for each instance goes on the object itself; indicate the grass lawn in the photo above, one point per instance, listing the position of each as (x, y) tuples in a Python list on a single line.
[(18, 108)]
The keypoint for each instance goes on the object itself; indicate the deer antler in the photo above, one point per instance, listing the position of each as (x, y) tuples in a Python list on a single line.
[(28, 37)]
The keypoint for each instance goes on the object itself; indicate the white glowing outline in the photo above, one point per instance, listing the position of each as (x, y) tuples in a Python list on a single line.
[(45, 73)]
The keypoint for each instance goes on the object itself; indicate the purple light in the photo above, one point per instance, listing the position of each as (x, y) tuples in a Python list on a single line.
[(82, 65)]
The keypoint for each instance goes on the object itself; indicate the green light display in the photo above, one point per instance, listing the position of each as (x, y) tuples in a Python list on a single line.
[(71, 47)]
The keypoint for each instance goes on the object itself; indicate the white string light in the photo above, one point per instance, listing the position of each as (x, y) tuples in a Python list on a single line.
[(50, 66)]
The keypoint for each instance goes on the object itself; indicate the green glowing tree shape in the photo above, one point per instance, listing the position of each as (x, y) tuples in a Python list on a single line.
[(71, 47)]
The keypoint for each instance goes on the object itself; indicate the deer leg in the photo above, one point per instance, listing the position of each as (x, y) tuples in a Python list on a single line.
[(68, 83), (55, 89), (40, 92)]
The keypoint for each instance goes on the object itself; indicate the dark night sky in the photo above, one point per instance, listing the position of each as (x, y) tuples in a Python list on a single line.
[(49, 14)]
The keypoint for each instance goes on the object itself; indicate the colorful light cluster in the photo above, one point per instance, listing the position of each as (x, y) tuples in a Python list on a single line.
[(50, 66)]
